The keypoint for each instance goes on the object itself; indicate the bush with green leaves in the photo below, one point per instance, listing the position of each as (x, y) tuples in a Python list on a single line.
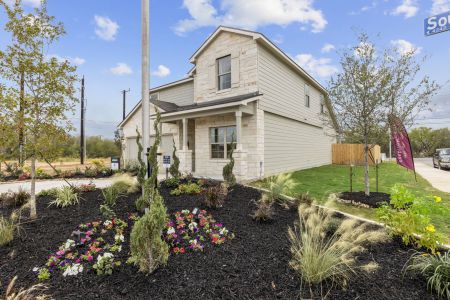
[(190, 188), (435, 269), (8, 228), (408, 216), (14, 199), (65, 196), (172, 182), (227, 171), (278, 186), (52, 192), (148, 250), (105, 264), (319, 256), (174, 169), (215, 196)]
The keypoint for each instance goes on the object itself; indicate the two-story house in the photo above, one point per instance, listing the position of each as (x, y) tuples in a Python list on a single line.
[(244, 92)]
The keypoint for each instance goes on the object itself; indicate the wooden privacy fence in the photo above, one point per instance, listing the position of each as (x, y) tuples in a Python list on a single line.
[(353, 154)]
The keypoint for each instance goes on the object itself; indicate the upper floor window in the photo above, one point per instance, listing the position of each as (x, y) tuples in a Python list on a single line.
[(322, 104), (224, 72), (222, 140), (307, 96)]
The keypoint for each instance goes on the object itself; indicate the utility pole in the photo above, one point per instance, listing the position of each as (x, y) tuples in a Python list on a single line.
[(124, 92), (145, 19), (82, 137)]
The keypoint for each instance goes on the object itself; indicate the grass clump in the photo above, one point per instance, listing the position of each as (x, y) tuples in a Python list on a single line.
[(435, 269), (8, 228), (65, 196), (278, 186), (215, 196), (125, 183), (14, 199), (34, 292), (110, 196), (319, 256)]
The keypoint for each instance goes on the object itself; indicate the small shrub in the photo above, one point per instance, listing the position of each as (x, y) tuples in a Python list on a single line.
[(44, 274), (227, 171), (52, 192), (124, 183), (8, 227), (15, 199), (90, 172), (84, 188), (278, 186), (174, 169), (148, 250), (318, 256), (188, 188), (264, 211), (99, 164), (65, 196), (110, 195), (107, 211), (435, 269), (408, 215), (215, 196), (32, 293), (172, 182)]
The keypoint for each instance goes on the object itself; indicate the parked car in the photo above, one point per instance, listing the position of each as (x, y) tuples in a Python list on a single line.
[(441, 158)]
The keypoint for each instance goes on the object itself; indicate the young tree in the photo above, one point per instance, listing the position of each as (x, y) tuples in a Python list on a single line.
[(175, 167), (372, 85), (49, 83)]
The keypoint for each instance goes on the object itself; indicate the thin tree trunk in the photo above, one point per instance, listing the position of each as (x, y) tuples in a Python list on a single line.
[(33, 214), (366, 167)]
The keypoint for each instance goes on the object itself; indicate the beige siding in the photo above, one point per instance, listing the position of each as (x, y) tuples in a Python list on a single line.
[(244, 69), (181, 94), (291, 145), (284, 90)]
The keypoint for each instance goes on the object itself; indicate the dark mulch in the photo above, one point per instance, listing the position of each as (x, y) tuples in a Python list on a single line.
[(374, 200), (252, 266)]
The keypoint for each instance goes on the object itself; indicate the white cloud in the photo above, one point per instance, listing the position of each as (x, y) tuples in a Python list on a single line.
[(106, 28), (251, 14), (32, 3), (440, 6), (404, 47), (121, 69), (321, 67), (408, 8), (327, 48), (162, 71), (78, 61)]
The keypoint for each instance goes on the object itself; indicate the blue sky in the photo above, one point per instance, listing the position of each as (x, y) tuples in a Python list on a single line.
[(103, 38)]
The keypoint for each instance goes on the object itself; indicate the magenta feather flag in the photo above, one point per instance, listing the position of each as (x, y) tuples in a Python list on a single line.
[(402, 144)]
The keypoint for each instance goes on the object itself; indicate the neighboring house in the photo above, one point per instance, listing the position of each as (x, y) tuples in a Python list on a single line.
[(242, 89)]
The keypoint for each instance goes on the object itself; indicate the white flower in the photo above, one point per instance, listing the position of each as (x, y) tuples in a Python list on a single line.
[(119, 237), (193, 242), (223, 231), (73, 270), (171, 230), (107, 222), (35, 269), (105, 256), (192, 225), (186, 211), (69, 244)]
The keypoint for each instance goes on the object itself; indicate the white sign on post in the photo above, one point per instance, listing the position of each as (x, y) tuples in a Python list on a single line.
[(166, 161)]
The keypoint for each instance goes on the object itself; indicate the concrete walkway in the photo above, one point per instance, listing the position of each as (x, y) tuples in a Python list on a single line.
[(48, 184), (439, 179)]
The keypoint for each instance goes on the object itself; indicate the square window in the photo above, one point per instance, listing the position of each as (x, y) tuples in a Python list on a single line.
[(222, 141)]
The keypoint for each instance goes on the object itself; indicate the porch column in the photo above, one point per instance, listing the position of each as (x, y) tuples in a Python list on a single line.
[(238, 130), (185, 134), (239, 155), (185, 155)]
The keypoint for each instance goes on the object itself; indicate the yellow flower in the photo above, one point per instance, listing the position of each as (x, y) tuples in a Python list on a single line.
[(437, 199), (430, 228)]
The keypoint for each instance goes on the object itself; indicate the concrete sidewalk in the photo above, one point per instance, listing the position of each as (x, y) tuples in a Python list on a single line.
[(439, 179), (48, 184)]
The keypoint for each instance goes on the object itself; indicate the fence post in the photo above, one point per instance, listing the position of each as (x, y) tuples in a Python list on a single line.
[(351, 178), (376, 171)]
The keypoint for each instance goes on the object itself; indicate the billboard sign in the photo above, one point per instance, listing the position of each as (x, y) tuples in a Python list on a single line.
[(437, 24)]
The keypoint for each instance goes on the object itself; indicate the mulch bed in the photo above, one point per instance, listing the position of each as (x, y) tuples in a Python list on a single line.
[(374, 200), (254, 265)]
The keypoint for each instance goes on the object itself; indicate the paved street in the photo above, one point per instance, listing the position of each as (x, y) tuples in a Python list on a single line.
[(47, 184), (439, 179)]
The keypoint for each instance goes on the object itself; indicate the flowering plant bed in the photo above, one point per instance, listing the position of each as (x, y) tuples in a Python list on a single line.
[(92, 246), (191, 231)]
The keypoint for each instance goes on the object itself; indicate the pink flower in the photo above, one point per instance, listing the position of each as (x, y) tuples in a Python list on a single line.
[(90, 258), (60, 253)]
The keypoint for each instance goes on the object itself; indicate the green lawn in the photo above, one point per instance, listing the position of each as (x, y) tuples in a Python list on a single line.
[(322, 181)]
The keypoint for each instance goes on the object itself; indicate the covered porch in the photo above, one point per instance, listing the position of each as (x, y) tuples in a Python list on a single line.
[(207, 131)]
